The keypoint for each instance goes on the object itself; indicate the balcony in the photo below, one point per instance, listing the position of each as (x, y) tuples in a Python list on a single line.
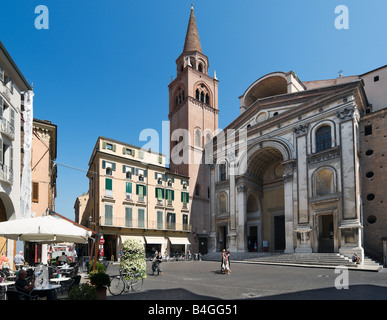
[(7, 128), (6, 92), (6, 174)]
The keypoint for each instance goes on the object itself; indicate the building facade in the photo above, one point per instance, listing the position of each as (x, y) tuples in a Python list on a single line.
[(133, 195), (43, 168), (15, 91)]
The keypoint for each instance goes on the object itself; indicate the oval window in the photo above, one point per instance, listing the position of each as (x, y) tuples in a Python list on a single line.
[(370, 197), (371, 219), (369, 174), (369, 152)]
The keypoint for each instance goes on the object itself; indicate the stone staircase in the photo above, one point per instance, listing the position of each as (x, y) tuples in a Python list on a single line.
[(322, 260)]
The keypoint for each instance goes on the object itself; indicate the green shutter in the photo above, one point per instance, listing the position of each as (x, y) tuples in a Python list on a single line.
[(128, 187), (108, 184)]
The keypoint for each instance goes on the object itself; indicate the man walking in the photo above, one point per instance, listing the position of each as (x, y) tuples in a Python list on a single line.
[(19, 260)]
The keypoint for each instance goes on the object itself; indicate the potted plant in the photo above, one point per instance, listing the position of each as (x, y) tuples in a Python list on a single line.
[(100, 280), (83, 291)]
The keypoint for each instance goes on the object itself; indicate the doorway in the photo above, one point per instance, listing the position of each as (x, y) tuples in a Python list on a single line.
[(326, 238), (279, 232), (252, 240), (222, 238)]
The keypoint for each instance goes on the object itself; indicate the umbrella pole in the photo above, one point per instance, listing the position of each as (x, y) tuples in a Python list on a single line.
[(92, 251), (96, 251)]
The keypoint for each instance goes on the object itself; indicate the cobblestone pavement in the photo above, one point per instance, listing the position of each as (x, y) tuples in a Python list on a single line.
[(201, 280)]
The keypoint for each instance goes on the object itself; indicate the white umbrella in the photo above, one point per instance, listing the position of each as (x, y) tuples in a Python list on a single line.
[(43, 229)]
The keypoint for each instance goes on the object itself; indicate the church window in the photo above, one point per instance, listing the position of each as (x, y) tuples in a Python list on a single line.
[(202, 97), (200, 68), (323, 138), (368, 130), (198, 137), (222, 203), (197, 94), (222, 172)]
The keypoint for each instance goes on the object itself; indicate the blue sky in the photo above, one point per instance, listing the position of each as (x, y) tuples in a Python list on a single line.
[(102, 60)]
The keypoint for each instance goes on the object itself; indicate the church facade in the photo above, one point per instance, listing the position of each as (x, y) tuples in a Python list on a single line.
[(286, 175)]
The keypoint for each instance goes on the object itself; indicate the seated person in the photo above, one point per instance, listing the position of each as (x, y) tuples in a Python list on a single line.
[(23, 286), (62, 259)]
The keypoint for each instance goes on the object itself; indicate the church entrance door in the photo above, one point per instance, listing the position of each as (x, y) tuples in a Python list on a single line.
[(325, 240)]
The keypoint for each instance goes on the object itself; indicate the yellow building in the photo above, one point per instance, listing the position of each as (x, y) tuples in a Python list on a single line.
[(133, 194)]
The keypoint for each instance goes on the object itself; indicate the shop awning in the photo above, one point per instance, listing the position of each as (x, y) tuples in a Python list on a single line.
[(175, 240), (141, 238), (155, 240)]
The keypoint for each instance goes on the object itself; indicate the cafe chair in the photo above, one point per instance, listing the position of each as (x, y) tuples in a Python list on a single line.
[(17, 295)]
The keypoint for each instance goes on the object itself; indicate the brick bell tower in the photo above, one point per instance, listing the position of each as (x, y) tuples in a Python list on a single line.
[(193, 108)]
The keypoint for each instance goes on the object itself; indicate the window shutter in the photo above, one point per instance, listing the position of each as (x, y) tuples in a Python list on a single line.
[(114, 147), (1, 106), (12, 120), (173, 194), (1, 74), (103, 164), (133, 153), (128, 187), (123, 168), (108, 184), (145, 173), (113, 166), (137, 188), (35, 191), (103, 145), (1, 152), (123, 150), (144, 188)]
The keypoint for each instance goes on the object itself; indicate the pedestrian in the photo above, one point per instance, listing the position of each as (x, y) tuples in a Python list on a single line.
[(227, 262), (222, 264), (356, 258), (19, 260)]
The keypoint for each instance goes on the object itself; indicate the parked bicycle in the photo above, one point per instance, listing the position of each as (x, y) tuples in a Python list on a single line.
[(127, 280)]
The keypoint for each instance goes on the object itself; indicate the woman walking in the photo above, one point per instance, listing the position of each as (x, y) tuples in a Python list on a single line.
[(227, 262), (223, 262)]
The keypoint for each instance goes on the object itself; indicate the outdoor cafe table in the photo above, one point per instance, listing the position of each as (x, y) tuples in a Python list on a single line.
[(52, 287), (5, 284), (60, 279)]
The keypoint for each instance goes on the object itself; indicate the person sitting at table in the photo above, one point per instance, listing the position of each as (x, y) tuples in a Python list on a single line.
[(63, 258), (23, 286)]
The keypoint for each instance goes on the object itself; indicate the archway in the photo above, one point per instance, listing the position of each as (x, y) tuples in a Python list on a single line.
[(266, 171)]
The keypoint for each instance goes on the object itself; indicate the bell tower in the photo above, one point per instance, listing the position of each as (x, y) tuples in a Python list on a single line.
[(193, 120)]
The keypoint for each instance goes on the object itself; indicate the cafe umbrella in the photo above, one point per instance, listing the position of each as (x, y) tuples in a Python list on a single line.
[(46, 229)]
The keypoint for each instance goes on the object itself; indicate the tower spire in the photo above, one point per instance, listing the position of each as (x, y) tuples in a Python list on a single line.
[(192, 40)]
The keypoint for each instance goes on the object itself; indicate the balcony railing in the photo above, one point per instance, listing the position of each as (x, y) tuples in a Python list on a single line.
[(121, 222), (7, 128), (6, 174), (6, 92)]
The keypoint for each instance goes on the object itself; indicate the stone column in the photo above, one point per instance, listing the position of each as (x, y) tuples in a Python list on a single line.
[(289, 226), (241, 218), (350, 223), (302, 173), (232, 232), (212, 244)]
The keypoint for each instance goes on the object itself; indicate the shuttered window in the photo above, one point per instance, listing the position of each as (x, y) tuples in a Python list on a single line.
[(35, 191)]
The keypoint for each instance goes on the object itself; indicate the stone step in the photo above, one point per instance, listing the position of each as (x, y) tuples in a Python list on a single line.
[(311, 259)]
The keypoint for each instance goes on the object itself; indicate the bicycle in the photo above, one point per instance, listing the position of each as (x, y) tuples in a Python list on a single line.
[(130, 280)]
